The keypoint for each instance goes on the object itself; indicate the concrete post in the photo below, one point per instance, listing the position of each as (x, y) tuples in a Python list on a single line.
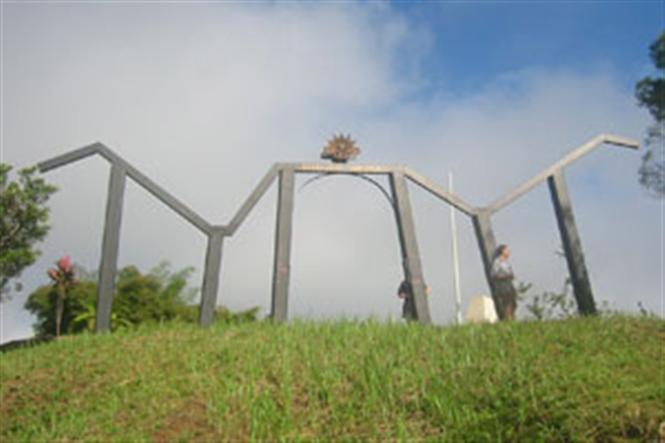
[(409, 245), (110, 246), (572, 246), (283, 232), (487, 245), (210, 286)]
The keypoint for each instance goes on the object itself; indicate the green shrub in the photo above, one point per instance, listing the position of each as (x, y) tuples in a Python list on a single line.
[(158, 296), (79, 299)]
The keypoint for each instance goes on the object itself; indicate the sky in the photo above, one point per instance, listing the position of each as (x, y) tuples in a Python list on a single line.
[(204, 97)]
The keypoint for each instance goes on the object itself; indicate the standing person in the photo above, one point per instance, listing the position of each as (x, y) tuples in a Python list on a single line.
[(405, 292), (502, 277)]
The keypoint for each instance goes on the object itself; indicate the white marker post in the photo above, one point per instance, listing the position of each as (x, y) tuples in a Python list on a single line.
[(456, 282)]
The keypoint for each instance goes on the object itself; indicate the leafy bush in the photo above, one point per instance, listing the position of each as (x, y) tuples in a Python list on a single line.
[(549, 305), (160, 295), (552, 305), (42, 303)]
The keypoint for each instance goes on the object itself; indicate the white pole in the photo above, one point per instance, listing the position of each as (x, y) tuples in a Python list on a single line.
[(453, 230)]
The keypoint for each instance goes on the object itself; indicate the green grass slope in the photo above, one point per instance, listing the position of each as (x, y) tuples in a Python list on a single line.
[(591, 379)]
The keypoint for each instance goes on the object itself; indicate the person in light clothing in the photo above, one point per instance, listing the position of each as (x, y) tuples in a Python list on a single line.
[(502, 278)]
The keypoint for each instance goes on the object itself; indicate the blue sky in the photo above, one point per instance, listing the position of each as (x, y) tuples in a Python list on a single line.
[(204, 97), (473, 42)]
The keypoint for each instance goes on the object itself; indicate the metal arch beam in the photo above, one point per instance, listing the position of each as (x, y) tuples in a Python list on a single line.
[(322, 168), (412, 175), (360, 176), (315, 178), (571, 157), (439, 192), (378, 186)]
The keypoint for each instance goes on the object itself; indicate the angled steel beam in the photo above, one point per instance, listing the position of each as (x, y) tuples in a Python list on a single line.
[(213, 266), (572, 245), (157, 191), (110, 246), (571, 157), (439, 192), (70, 157), (487, 245), (409, 245), (283, 232), (136, 175), (252, 200), (169, 200)]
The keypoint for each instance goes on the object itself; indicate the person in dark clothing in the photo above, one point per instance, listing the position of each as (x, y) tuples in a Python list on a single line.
[(502, 278), (405, 292)]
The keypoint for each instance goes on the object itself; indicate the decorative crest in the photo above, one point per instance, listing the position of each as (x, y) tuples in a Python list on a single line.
[(340, 149)]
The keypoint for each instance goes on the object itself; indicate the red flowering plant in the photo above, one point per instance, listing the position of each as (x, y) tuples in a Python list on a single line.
[(63, 278)]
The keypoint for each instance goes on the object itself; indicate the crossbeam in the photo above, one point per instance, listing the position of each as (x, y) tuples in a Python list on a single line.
[(340, 168), (253, 199), (165, 197), (439, 192), (569, 158)]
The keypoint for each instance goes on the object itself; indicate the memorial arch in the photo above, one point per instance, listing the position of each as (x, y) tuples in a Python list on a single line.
[(284, 174)]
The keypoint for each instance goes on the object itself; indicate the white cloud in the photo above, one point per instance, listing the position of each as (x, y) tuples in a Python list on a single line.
[(205, 98)]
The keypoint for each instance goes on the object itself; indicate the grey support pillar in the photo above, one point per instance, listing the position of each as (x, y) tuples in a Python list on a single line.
[(487, 245), (283, 232), (572, 246), (210, 287), (110, 245), (409, 245)]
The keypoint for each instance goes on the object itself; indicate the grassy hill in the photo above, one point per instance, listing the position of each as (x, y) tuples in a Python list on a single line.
[(576, 380)]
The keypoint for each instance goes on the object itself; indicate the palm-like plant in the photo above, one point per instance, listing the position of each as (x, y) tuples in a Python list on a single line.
[(63, 278)]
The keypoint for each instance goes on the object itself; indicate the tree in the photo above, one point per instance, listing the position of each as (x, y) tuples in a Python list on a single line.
[(23, 222), (650, 93)]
